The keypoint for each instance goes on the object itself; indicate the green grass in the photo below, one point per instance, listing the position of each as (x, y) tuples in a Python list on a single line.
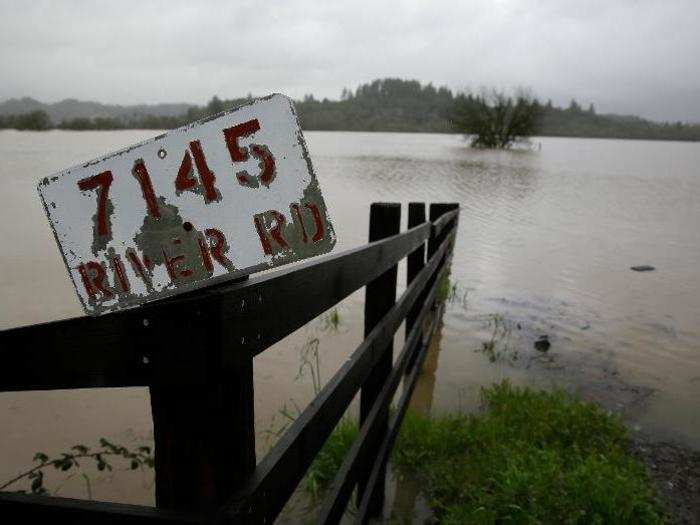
[(527, 457), (328, 461), (445, 289)]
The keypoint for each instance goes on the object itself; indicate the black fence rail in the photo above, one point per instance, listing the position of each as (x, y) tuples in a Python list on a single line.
[(196, 352)]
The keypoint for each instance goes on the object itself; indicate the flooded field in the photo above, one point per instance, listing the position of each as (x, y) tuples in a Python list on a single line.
[(545, 245)]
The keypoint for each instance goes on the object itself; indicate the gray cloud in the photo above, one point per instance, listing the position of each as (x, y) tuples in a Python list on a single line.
[(625, 56)]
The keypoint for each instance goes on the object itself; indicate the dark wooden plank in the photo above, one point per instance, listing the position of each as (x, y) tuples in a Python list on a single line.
[(376, 477), (444, 221), (437, 210), (27, 508), (341, 488), (323, 286), (117, 349), (204, 436), (380, 296), (414, 263), (43, 356), (416, 259), (279, 472)]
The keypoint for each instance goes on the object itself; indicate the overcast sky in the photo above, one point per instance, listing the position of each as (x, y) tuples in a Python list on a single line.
[(625, 56)]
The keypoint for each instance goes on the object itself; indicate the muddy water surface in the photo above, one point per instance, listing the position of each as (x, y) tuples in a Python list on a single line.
[(545, 243)]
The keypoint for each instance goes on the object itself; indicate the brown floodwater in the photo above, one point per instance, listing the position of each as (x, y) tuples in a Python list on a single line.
[(546, 240)]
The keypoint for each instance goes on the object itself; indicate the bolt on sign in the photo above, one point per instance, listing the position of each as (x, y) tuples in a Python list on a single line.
[(220, 198)]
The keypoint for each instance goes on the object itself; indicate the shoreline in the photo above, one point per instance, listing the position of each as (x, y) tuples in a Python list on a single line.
[(409, 132), (675, 472)]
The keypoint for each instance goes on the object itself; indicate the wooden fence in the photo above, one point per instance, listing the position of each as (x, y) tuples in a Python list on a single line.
[(195, 353)]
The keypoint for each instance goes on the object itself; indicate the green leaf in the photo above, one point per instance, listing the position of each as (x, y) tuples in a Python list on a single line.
[(110, 446), (134, 464), (41, 457), (145, 450), (37, 483), (81, 449)]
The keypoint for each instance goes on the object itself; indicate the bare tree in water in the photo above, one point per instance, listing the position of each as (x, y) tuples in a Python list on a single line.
[(495, 120)]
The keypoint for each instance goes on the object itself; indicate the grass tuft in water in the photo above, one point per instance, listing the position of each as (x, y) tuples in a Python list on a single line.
[(528, 457), (446, 289)]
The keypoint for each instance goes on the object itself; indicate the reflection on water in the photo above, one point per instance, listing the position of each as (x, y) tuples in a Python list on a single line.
[(545, 242)]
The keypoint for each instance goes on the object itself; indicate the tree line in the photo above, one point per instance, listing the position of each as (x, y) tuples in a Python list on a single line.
[(393, 104)]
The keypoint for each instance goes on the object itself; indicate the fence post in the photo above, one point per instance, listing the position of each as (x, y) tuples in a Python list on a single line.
[(204, 432), (380, 296), (414, 264), (436, 211)]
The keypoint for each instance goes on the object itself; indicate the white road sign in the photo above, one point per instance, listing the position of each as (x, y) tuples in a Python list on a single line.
[(216, 199)]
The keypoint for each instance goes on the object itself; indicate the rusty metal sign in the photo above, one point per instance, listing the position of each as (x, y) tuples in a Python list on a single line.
[(217, 199)]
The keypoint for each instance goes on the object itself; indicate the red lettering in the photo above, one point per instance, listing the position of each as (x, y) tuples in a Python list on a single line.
[(138, 267), (217, 247), (184, 180), (93, 276), (267, 248), (205, 174), (295, 208), (171, 265), (274, 231), (267, 163), (141, 174), (120, 273), (231, 135), (318, 235), (204, 251), (102, 181), (240, 154)]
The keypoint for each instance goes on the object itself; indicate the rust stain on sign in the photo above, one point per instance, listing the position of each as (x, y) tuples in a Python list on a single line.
[(217, 199)]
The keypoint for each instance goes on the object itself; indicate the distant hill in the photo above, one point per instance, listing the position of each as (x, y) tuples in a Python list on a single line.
[(389, 104), (71, 109)]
